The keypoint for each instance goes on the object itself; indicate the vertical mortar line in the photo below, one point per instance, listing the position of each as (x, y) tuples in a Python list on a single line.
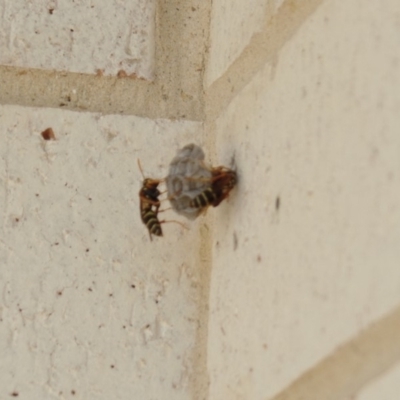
[(181, 41), (207, 238), (201, 381), (7, 182), (206, 226), (180, 48)]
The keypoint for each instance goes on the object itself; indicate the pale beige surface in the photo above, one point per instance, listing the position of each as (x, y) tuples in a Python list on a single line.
[(232, 25), (305, 285), (106, 36), (352, 366), (176, 92), (386, 387), (88, 303), (306, 254), (278, 3)]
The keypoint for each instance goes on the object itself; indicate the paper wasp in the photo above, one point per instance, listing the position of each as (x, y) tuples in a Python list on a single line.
[(223, 180), (150, 204), (193, 186)]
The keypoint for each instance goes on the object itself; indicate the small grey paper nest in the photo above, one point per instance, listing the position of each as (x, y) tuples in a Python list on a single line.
[(188, 177)]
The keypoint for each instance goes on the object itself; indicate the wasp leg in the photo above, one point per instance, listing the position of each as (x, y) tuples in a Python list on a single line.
[(165, 209), (176, 222)]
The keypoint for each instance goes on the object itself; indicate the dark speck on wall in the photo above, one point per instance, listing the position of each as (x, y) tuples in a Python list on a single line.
[(277, 203), (235, 241), (48, 134)]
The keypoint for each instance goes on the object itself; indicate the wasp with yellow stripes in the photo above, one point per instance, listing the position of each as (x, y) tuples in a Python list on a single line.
[(150, 204), (223, 180)]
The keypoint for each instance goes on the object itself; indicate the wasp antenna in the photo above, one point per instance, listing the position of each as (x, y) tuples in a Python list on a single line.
[(140, 168)]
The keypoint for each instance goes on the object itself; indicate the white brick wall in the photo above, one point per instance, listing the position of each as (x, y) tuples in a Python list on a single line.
[(289, 290), (90, 305), (384, 388), (91, 36)]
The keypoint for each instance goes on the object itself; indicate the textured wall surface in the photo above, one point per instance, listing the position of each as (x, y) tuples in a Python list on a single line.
[(232, 25), (384, 388), (290, 290), (180, 42), (89, 305), (79, 36), (306, 254)]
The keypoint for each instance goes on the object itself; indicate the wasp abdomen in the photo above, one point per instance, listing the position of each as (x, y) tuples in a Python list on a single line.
[(151, 221), (203, 199)]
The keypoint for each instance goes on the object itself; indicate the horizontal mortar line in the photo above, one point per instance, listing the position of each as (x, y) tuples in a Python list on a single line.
[(264, 47), (129, 96), (93, 93), (352, 366), (176, 93)]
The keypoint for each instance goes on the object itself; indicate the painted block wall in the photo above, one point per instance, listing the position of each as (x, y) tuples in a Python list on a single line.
[(232, 26), (91, 308), (385, 387), (105, 37), (288, 290), (307, 253)]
